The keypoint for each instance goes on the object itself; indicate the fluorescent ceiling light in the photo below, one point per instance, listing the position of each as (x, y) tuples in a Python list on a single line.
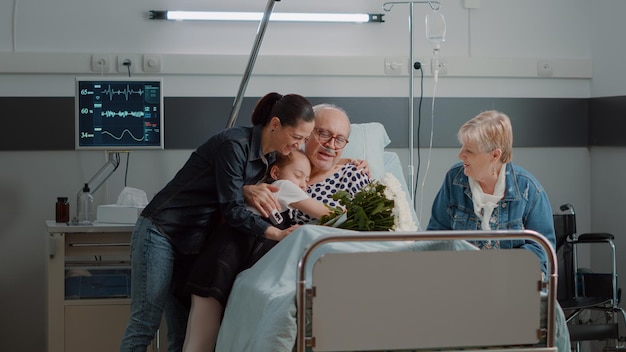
[(257, 16)]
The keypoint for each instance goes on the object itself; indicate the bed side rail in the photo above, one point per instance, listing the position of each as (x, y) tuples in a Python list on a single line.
[(425, 299)]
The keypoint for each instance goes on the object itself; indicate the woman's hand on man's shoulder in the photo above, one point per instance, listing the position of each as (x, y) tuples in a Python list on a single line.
[(360, 164)]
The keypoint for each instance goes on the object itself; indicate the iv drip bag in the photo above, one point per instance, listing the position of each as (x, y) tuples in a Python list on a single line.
[(435, 28)]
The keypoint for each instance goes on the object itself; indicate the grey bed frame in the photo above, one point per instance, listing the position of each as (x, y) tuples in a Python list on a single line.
[(425, 300)]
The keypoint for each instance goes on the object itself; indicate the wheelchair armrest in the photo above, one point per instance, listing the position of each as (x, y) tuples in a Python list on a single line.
[(593, 237), (588, 332)]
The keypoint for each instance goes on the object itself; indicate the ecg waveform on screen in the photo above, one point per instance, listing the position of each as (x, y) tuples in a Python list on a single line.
[(126, 131), (147, 133), (109, 113), (125, 92)]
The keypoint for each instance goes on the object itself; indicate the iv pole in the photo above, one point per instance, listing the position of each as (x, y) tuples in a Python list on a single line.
[(387, 7), (255, 51)]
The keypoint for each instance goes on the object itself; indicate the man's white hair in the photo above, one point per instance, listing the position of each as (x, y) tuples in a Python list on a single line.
[(325, 106)]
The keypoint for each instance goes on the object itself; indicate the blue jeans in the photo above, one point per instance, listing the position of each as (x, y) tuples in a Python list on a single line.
[(152, 263)]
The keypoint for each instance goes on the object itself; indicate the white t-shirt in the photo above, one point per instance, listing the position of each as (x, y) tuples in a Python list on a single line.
[(288, 193)]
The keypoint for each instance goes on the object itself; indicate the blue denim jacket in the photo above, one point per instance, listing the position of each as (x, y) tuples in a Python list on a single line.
[(525, 205)]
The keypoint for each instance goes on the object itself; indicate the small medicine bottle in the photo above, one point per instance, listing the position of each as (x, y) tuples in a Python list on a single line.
[(62, 210)]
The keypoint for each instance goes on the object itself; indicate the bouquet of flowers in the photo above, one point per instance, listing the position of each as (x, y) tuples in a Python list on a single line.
[(379, 206)]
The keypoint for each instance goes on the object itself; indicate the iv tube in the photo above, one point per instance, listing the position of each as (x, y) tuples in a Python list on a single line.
[(436, 34)]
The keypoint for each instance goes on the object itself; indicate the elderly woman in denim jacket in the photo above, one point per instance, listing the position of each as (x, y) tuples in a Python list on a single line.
[(486, 191)]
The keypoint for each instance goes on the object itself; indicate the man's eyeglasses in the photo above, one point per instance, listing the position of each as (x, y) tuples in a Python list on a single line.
[(324, 136)]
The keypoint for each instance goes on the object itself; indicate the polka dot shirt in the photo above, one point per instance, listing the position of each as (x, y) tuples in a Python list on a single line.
[(348, 178)]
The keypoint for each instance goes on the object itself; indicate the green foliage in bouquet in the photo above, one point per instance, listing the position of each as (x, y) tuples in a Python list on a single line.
[(368, 210)]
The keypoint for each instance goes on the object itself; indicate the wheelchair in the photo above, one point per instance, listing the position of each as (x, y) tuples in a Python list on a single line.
[(581, 291)]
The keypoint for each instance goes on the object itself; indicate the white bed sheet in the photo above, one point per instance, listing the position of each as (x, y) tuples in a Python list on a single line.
[(261, 310)]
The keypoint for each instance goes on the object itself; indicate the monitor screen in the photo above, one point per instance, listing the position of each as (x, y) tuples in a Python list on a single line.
[(119, 113)]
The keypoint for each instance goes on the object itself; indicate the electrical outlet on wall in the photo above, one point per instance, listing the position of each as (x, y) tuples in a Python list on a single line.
[(127, 63), (100, 63), (151, 63), (394, 65), (545, 68)]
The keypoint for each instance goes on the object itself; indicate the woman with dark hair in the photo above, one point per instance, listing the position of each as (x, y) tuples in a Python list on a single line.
[(206, 191)]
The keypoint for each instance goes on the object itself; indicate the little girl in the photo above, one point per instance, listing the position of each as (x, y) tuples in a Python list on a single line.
[(291, 175)]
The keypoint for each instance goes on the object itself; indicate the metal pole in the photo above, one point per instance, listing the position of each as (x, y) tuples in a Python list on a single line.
[(387, 6), (255, 51), (411, 113)]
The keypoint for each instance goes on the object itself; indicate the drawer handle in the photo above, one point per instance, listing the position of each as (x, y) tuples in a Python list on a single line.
[(121, 244)]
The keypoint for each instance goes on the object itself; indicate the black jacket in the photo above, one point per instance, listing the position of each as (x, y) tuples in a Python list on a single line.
[(209, 188)]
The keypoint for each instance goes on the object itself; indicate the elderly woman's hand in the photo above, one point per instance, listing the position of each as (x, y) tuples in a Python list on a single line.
[(261, 197)]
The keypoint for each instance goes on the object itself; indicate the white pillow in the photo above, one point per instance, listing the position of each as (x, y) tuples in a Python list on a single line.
[(368, 142)]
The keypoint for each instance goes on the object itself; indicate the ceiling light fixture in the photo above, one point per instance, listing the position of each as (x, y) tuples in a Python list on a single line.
[(256, 16)]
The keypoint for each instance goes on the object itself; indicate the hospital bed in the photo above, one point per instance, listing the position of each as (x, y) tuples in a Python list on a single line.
[(328, 289)]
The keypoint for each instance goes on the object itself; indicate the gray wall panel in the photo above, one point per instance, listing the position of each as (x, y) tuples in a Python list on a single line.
[(536, 122), (191, 121), (36, 123), (47, 123), (607, 121)]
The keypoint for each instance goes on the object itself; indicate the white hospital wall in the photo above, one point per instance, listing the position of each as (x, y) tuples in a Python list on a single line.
[(497, 47), (608, 166)]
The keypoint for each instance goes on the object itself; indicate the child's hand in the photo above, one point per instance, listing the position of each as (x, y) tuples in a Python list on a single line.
[(276, 234)]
